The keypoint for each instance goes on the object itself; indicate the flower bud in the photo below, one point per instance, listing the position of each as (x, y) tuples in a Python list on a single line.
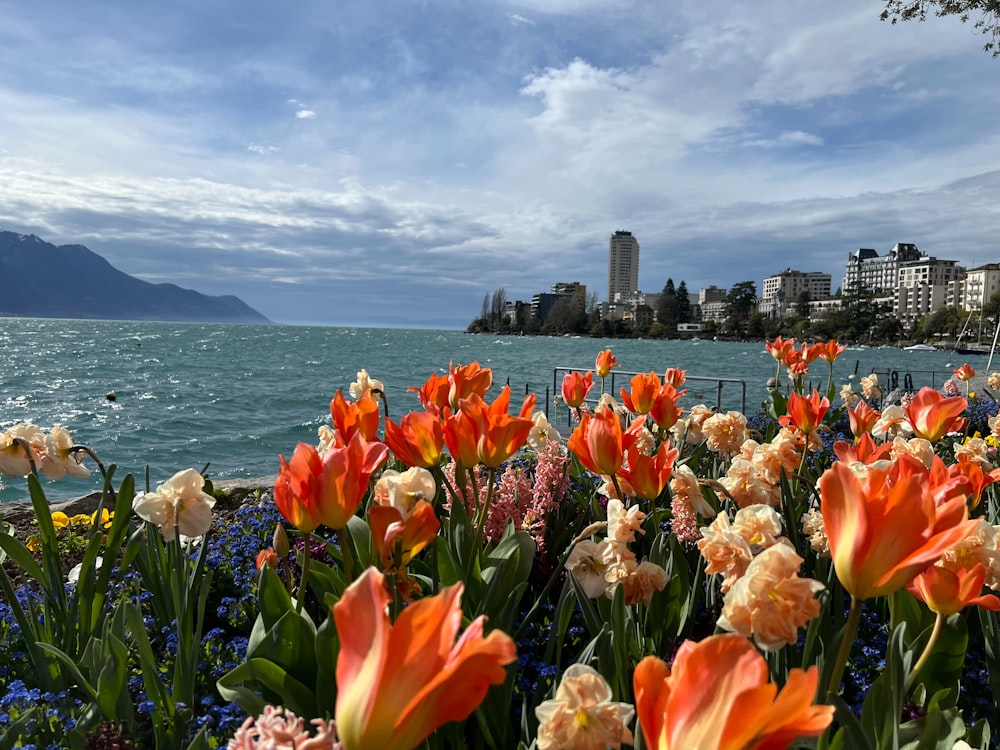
[(280, 541)]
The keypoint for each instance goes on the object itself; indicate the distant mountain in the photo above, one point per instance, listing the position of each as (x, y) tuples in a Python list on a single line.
[(40, 280)]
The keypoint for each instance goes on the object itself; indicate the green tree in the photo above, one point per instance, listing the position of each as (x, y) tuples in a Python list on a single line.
[(943, 323), (985, 12), (802, 304), (991, 310), (739, 305), (666, 309), (682, 304)]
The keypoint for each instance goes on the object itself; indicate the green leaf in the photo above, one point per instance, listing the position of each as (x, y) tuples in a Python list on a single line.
[(291, 646), (883, 706), (21, 556), (294, 696), (591, 619), (273, 599)]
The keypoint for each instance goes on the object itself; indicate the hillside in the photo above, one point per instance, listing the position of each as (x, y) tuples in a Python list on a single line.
[(41, 280)]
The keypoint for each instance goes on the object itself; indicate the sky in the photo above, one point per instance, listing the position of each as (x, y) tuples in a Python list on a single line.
[(375, 163)]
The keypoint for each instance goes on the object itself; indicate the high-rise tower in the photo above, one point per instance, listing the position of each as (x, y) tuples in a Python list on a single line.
[(623, 266)]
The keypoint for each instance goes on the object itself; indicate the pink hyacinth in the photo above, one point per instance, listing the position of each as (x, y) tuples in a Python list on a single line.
[(279, 729)]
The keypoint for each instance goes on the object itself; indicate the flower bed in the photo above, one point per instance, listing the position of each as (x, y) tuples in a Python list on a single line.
[(466, 577)]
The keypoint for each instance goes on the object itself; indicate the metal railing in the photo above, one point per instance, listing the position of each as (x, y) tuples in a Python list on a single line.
[(619, 379), (893, 378)]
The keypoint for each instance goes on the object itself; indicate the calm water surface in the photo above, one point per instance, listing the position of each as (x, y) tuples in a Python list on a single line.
[(237, 396)]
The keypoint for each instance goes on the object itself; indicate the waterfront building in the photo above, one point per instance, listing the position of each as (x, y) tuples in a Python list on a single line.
[(623, 266), (781, 292), (869, 273), (976, 287), (543, 302), (823, 308), (924, 286)]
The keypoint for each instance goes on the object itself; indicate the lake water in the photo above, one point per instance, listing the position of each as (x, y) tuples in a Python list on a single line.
[(239, 395)]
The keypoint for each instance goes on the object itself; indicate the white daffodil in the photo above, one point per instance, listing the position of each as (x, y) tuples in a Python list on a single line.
[(179, 504)]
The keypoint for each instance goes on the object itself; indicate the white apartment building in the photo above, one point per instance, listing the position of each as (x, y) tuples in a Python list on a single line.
[(782, 290), (623, 266), (979, 284), (712, 304), (870, 273), (924, 286)]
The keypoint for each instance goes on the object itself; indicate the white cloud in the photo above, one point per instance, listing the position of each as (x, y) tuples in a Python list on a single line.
[(305, 114), (262, 149)]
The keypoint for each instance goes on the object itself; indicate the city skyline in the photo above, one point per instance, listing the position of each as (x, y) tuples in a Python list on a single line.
[(344, 166)]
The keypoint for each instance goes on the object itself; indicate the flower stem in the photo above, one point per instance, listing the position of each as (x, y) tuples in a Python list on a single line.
[(304, 582), (922, 661), (846, 641), (482, 515)]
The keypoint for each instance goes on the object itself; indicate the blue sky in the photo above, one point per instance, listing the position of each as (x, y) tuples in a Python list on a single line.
[(390, 163)]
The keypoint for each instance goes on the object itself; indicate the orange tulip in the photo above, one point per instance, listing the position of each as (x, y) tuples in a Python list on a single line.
[(973, 473), (665, 411), (717, 695), (575, 387), (829, 350), (466, 380), (645, 388), (604, 362), (398, 540), (965, 372), (418, 440), (808, 354), (597, 442), (806, 413), (487, 433), (355, 416), (865, 450), (885, 528), (649, 475), (674, 377), (266, 557), (397, 683), (779, 348), (798, 368), (947, 592), (503, 435), (863, 417), (433, 394), (313, 489), (932, 416)]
